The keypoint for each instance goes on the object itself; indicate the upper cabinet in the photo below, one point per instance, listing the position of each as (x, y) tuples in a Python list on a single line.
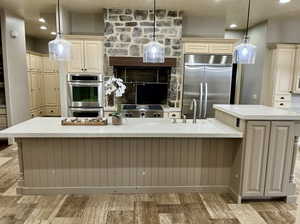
[(284, 69), (208, 46), (296, 86), (284, 75), (87, 56), (49, 65), (34, 62)]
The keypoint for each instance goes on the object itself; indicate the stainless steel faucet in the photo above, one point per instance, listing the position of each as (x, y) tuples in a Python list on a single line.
[(194, 108)]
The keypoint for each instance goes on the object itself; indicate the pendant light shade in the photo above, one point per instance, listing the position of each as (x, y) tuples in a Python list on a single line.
[(245, 53), (59, 48), (154, 52)]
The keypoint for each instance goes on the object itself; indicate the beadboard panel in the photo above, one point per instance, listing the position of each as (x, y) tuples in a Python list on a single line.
[(127, 162)]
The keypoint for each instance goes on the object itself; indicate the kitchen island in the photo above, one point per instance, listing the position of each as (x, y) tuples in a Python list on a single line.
[(232, 153)]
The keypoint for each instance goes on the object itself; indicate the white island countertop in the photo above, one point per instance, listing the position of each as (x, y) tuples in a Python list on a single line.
[(258, 112), (133, 127)]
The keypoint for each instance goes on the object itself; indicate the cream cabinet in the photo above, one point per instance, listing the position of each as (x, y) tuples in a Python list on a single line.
[(34, 62), (43, 84), (266, 142), (280, 83), (49, 65), (278, 169), (207, 48), (51, 89), (87, 56), (255, 158), (296, 86), (35, 90), (284, 69)]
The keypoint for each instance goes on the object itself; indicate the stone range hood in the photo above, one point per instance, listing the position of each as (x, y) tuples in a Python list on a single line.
[(138, 62), (128, 30)]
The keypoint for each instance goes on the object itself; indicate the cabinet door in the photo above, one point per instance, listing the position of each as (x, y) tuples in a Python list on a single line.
[(220, 48), (51, 89), (297, 71), (255, 158), (93, 61), (36, 96), (284, 70), (196, 48), (279, 158), (77, 53)]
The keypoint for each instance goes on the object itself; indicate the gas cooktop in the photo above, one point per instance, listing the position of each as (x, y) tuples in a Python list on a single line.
[(135, 110)]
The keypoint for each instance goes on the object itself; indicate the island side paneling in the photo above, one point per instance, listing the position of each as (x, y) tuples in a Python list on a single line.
[(87, 165)]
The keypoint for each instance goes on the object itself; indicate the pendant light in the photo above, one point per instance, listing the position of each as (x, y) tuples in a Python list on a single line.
[(59, 48), (245, 53), (154, 52)]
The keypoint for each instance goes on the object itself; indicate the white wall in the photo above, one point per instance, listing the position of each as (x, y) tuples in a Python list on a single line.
[(83, 23), (15, 68), (284, 30), (203, 26)]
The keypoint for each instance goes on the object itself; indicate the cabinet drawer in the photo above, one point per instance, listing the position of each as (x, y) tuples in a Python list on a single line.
[(282, 104), (196, 48), (174, 115), (283, 97), (51, 111), (220, 48)]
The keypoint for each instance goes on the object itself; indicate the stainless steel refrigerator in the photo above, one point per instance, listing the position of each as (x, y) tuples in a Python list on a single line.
[(210, 79)]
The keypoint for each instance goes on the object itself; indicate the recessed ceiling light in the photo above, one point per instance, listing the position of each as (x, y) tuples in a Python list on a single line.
[(284, 1), (53, 33), (42, 20), (43, 27), (233, 26)]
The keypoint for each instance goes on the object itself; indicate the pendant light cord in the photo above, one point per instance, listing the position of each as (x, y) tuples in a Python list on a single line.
[(154, 22), (248, 17), (58, 12)]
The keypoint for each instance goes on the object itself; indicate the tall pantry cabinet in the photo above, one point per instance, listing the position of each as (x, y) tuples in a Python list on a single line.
[(43, 85), (284, 75)]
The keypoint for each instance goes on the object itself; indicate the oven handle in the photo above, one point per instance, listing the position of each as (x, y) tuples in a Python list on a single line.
[(78, 84)]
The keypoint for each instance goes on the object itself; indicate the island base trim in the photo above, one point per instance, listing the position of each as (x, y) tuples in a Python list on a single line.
[(130, 189)]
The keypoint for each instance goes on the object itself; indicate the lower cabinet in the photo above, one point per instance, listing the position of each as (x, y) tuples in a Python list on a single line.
[(267, 158)]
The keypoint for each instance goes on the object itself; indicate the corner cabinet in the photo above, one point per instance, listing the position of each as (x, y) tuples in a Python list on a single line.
[(87, 56), (267, 143)]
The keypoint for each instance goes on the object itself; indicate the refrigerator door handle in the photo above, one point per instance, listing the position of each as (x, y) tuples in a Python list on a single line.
[(201, 100), (205, 100)]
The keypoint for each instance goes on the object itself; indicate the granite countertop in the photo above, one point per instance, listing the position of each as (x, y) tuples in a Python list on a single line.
[(258, 112), (133, 127)]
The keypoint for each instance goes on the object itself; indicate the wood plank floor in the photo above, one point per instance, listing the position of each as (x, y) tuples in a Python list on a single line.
[(171, 208)]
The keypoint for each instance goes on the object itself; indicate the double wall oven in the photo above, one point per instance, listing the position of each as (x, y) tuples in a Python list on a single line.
[(85, 95)]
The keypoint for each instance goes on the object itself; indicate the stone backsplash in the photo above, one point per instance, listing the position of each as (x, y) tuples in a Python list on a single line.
[(127, 30)]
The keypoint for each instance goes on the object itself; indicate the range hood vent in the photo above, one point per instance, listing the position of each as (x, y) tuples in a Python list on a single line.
[(138, 62)]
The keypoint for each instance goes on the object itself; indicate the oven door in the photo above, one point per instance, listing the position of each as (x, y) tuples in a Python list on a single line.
[(86, 112), (85, 94)]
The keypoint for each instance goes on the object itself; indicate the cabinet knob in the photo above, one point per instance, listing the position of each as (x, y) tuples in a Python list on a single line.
[(281, 104), (282, 98)]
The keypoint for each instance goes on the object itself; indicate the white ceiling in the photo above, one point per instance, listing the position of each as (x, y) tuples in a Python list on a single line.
[(234, 11)]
